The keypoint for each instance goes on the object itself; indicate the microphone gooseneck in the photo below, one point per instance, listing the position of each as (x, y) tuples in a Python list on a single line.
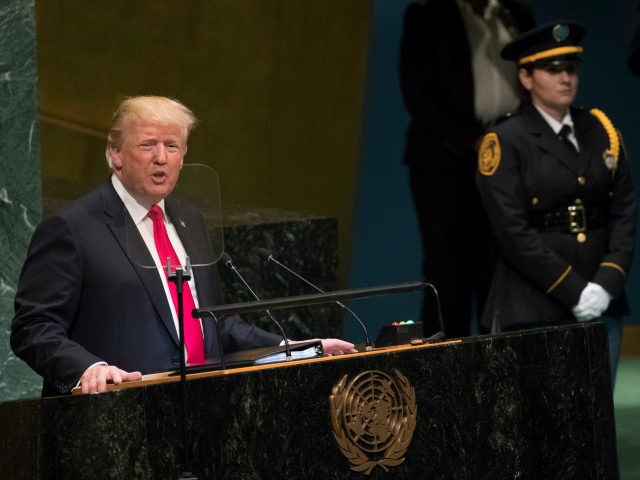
[(268, 256), (439, 336), (226, 258)]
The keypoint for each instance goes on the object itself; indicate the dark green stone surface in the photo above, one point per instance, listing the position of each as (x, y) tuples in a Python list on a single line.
[(20, 192), (306, 245), (528, 405)]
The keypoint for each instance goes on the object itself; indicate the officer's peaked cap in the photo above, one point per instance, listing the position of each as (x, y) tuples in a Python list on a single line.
[(557, 39)]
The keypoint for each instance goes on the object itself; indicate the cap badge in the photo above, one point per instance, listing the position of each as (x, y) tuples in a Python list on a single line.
[(560, 32)]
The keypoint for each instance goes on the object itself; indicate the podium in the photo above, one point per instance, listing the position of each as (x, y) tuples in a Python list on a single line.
[(532, 404)]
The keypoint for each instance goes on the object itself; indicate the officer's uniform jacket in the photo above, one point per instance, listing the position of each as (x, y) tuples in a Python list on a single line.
[(560, 219)]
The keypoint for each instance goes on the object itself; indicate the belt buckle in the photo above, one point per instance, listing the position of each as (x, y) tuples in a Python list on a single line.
[(577, 219)]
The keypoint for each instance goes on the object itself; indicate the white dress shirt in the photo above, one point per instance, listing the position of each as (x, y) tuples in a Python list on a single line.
[(556, 126)]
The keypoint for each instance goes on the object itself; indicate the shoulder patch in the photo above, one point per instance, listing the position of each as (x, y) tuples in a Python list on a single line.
[(489, 155)]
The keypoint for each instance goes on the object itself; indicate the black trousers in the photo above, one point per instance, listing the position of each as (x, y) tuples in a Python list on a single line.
[(459, 253)]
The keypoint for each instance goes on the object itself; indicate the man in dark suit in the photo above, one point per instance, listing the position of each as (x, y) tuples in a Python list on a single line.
[(633, 59), (454, 84), (86, 310)]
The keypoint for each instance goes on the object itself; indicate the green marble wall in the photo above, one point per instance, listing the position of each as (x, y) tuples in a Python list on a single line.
[(20, 189)]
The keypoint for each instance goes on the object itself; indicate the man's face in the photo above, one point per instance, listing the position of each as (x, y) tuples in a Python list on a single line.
[(552, 88), (150, 159)]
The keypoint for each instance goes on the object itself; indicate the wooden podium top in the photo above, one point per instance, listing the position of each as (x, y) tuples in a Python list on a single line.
[(169, 377)]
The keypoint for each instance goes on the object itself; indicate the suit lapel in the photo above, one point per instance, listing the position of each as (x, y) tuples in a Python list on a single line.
[(126, 233), (586, 141), (184, 226)]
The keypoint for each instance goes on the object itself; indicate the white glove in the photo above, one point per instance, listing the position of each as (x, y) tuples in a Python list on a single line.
[(594, 300), (597, 297), (583, 314)]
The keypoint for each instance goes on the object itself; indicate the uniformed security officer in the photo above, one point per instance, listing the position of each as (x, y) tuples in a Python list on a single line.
[(556, 186)]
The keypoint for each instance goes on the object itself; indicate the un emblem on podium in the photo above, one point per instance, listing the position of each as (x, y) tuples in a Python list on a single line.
[(373, 418)]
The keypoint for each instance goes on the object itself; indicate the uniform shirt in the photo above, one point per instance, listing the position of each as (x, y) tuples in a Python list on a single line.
[(556, 126)]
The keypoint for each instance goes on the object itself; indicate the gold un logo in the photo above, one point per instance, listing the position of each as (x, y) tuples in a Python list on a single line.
[(373, 419)]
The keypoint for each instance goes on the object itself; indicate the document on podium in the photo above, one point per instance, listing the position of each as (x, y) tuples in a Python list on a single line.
[(261, 356), (298, 352), (264, 355)]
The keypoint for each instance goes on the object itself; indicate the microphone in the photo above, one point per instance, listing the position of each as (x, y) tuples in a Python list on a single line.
[(438, 336), (226, 258), (268, 256)]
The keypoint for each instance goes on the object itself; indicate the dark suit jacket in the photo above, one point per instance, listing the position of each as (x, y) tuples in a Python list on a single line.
[(543, 271), (83, 296), (634, 45), (437, 83)]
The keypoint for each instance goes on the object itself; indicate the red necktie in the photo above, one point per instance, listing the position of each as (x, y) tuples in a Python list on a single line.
[(192, 330)]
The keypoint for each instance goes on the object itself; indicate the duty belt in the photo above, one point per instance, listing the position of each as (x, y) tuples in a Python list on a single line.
[(570, 219)]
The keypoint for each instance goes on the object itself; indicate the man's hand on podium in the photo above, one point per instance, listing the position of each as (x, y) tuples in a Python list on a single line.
[(335, 346), (96, 377), (330, 346)]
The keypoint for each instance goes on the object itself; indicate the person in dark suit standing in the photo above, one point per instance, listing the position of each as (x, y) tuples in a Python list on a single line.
[(633, 59), (454, 84), (86, 311), (557, 188)]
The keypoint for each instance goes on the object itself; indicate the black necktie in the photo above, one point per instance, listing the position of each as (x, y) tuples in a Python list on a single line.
[(564, 133)]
